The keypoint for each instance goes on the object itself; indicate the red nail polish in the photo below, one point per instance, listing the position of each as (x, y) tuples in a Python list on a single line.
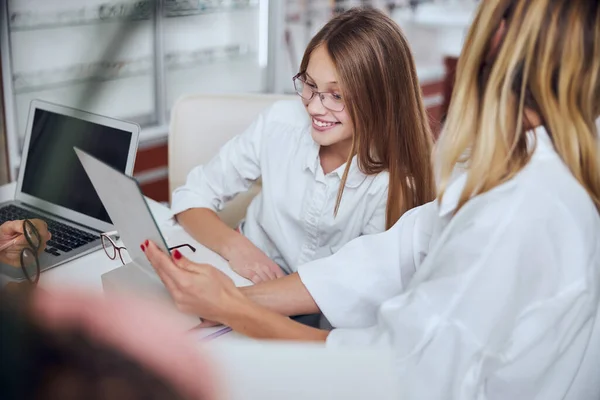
[(143, 248), (177, 255), (146, 243)]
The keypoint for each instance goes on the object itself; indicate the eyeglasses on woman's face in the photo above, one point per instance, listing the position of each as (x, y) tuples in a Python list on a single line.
[(331, 101)]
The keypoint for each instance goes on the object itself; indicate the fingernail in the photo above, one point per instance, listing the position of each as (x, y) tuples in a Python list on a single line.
[(143, 248), (146, 243), (177, 255)]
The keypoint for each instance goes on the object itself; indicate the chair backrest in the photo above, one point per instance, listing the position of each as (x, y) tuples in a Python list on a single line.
[(200, 125)]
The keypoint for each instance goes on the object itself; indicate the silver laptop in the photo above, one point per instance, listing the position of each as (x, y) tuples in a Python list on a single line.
[(53, 185)]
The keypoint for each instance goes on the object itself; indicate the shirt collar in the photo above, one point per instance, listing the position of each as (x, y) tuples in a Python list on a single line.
[(312, 155), (355, 176), (537, 138)]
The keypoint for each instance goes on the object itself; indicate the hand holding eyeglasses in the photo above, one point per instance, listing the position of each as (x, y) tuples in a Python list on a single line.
[(20, 244), (13, 239)]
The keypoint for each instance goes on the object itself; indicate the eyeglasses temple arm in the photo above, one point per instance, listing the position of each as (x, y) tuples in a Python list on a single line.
[(183, 245)]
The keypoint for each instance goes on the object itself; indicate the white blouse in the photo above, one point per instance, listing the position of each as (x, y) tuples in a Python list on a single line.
[(292, 219), (499, 301)]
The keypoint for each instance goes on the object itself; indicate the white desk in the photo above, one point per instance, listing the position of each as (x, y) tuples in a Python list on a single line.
[(86, 272), (249, 368)]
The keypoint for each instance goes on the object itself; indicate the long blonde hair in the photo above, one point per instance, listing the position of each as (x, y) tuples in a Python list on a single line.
[(549, 62), (378, 80)]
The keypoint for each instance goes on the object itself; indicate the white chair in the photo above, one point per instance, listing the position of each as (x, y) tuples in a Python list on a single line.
[(200, 125)]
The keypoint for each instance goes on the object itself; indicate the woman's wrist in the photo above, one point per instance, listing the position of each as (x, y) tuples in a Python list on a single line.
[(238, 311), (232, 244), (257, 322)]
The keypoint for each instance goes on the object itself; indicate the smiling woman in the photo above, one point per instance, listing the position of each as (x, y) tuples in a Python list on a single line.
[(347, 160), (372, 72)]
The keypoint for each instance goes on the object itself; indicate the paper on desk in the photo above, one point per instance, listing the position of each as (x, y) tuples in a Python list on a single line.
[(209, 334)]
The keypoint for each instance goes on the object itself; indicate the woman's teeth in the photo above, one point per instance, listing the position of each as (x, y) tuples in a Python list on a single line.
[(322, 124)]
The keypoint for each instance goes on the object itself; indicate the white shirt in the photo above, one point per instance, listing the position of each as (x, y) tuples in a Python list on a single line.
[(292, 219), (499, 301)]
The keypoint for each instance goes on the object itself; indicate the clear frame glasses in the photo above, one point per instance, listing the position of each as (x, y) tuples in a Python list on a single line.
[(331, 101), (112, 249)]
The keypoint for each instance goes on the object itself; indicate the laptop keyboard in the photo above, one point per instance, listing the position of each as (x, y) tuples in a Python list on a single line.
[(64, 238)]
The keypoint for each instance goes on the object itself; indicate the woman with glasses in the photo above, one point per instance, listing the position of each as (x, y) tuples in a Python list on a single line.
[(505, 299), (346, 159)]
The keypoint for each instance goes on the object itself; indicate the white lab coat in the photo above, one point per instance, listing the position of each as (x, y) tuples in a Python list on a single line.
[(292, 220), (504, 300)]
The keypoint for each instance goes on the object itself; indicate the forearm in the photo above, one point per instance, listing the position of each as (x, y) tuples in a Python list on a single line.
[(252, 320), (286, 296), (206, 227)]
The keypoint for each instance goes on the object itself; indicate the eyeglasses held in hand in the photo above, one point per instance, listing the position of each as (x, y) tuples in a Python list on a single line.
[(112, 249), (30, 264)]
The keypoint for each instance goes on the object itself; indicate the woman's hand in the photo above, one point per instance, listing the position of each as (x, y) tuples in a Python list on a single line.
[(11, 235), (198, 289), (205, 291), (243, 256), (250, 262)]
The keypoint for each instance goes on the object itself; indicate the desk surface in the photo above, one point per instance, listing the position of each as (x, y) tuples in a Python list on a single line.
[(249, 368), (86, 272)]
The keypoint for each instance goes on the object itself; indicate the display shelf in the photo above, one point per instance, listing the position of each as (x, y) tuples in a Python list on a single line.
[(106, 71), (142, 10)]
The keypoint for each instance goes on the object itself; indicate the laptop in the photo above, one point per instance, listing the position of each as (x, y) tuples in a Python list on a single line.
[(53, 186), (126, 205)]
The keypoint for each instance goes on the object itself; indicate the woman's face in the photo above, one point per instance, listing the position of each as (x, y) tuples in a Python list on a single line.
[(328, 127)]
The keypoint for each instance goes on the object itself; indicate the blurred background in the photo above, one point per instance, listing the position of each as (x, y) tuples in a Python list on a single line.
[(132, 59)]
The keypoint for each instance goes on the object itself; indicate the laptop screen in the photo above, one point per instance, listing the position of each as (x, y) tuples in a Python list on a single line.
[(53, 172)]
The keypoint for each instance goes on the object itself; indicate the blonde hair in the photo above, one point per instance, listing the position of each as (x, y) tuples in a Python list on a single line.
[(379, 83), (549, 62)]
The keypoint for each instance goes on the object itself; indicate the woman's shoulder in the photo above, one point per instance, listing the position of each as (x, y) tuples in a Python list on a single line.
[(288, 112), (374, 186), (287, 124), (380, 181)]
